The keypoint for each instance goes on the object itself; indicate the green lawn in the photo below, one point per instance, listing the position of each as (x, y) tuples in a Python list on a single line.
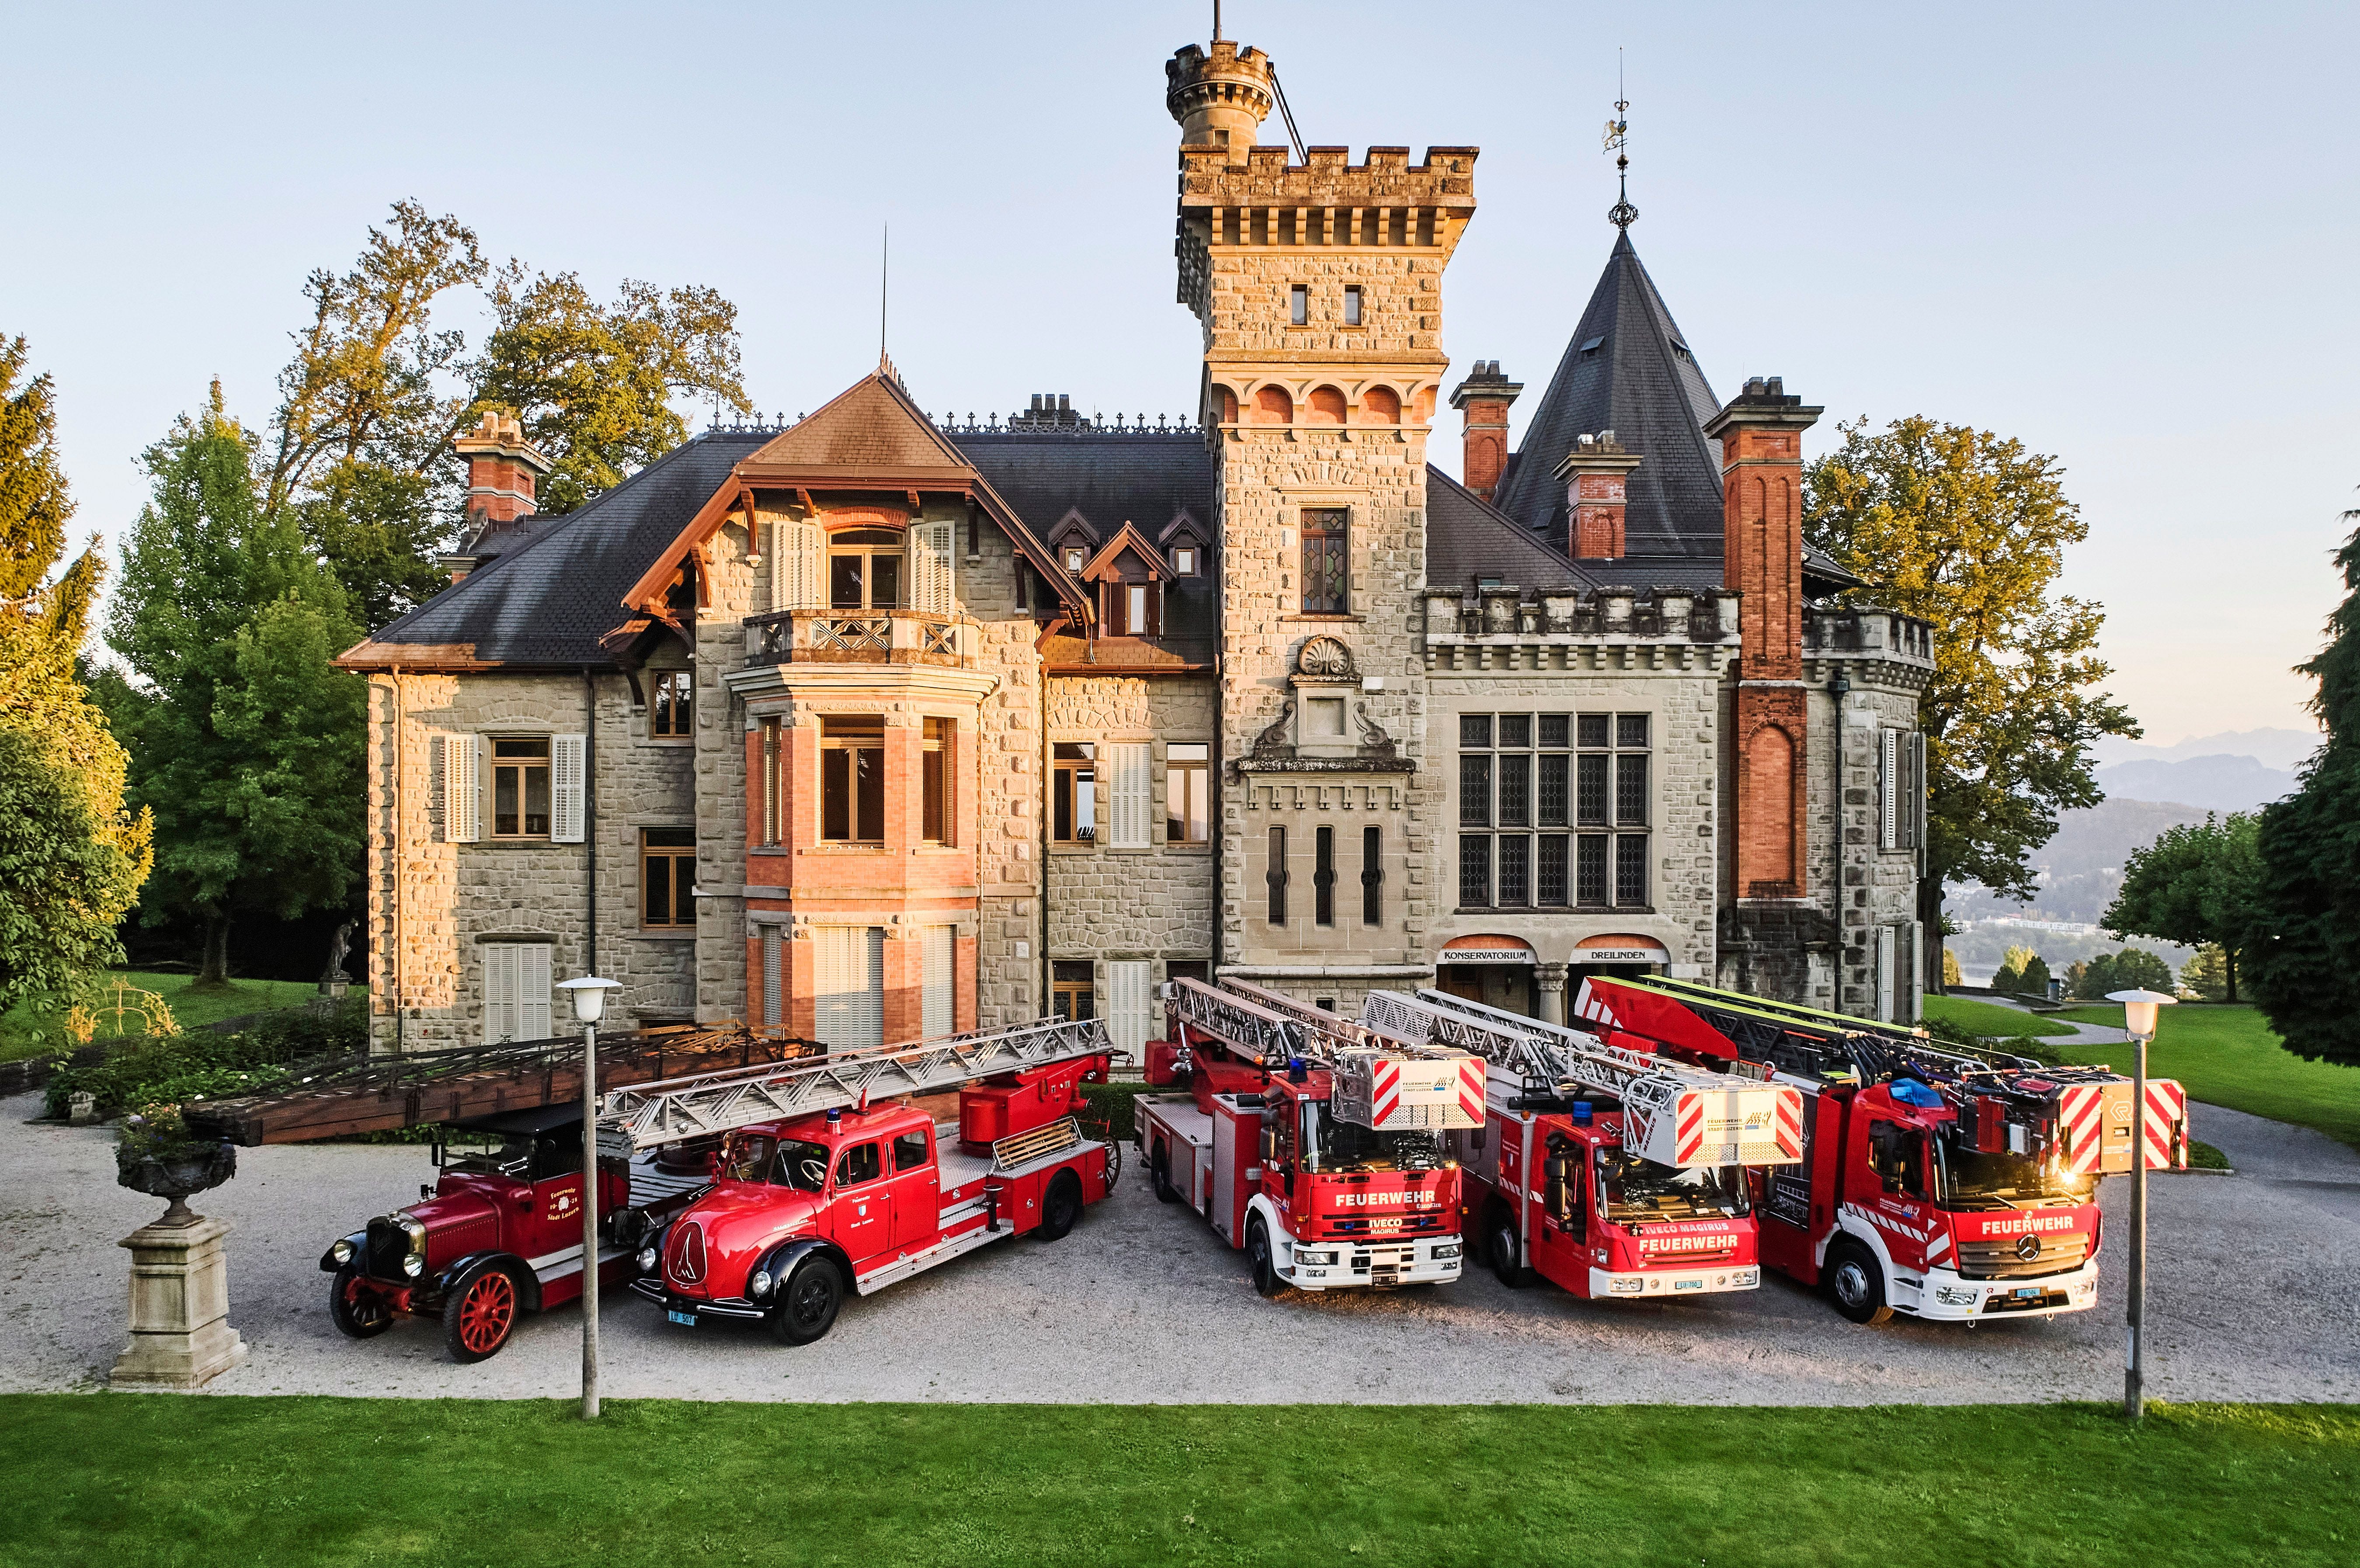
[(155, 1480), (1989, 1018), (2228, 1056), (23, 1032)]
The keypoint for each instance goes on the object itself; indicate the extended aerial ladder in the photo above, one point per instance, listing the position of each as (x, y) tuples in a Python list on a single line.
[(1272, 1032), (2007, 1102), (713, 1103), (1679, 1117)]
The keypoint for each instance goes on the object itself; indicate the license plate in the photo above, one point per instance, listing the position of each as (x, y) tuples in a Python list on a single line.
[(688, 1317), (2031, 1294), (1688, 1284)]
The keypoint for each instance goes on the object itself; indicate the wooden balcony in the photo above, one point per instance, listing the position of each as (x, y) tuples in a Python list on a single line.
[(847, 637)]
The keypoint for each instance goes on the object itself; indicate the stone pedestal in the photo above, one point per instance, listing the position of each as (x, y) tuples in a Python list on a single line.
[(180, 1336)]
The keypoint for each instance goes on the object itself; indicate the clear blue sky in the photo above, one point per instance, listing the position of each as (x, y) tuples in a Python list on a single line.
[(2125, 234)]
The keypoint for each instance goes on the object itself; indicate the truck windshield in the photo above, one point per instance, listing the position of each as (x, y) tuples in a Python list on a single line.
[(1638, 1191), (1974, 1179), (781, 1162), (1343, 1146), (512, 1159)]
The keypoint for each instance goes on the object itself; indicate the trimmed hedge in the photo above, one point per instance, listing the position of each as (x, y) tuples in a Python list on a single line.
[(208, 1065)]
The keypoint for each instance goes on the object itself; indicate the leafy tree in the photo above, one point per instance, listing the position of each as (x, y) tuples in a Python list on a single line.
[(1951, 976), (2132, 969), (72, 859), (593, 383), (2196, 884), (2305, 969), (1967, 531), (248, 759), (2009, 976), (378, 529), (2034, 982), (2206, 973)]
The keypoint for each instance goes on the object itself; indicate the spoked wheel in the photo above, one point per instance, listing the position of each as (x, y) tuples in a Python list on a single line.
[(357, 1314), (1857, 1285), (1061, 1206), (1258, 1258), (1113, 1164), (479, 1315), (807, 1306)]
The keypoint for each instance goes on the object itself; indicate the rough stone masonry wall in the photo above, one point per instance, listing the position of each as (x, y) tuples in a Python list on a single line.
[(1154, 903), (1879, 886), (1684, 705), (454, 897), (1011, 795)]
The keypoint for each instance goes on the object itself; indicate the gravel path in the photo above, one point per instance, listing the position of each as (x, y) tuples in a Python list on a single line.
[(2255, 1295), (2083, 1034)]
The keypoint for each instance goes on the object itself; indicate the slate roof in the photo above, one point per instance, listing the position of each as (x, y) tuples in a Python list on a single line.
[(1141, 478), (1467, 538), (550, 595)]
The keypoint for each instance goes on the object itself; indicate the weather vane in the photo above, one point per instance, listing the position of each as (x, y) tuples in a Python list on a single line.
[(1618, 135)]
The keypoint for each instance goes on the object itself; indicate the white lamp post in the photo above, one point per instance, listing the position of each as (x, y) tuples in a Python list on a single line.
[(2139, 1020), (589, 997)]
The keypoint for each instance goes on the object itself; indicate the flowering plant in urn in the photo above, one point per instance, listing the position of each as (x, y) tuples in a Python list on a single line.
[(159, 1156)]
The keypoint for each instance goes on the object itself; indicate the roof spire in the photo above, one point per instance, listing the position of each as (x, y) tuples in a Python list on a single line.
[(1618, 134)]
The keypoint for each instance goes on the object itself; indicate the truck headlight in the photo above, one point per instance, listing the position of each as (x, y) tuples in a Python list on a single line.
[(1624, 1287), (1446, 1250), (342, 1252), (413, 1265), (646, 1259), (759, 1285), (1319, 1255), (1744, 1277), (1952, 1296)]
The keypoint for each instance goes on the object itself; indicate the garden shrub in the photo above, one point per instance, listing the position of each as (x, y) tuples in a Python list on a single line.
[(206, 1063)]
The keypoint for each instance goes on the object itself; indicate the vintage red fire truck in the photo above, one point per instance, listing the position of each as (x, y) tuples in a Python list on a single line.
[(824, 1189), (1304, 1141), (1933, 1183), (499, 1232), (1610, 1173)]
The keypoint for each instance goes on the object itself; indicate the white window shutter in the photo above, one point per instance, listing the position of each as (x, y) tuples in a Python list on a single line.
[(1916, 807), (1127, 1007), (459, 794), (1127, 767), (848, 962), (532, 990), (774, 1002), (941, 986), (783, 571), (500, 992), (567, 757), (1888, 779), (795, 549), (946, 553), (930, 568)]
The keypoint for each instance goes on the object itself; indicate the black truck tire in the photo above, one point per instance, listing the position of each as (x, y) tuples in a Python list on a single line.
[(1260, 1259), (808, 1302), (1856, 1284), (1061, 1206), (1507, 1252), (1159, 1171), (364, 1320), (480, 1313)]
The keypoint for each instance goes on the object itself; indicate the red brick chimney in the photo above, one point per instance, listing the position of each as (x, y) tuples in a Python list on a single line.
[(1483, 398), (1595, 473), (502, 467), (1761, 436)]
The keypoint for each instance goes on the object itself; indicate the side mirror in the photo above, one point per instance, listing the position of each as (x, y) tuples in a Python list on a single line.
[(1892, 1182), (435, 1154)]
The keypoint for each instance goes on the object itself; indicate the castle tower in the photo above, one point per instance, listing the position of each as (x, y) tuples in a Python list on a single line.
[(1319, 288)]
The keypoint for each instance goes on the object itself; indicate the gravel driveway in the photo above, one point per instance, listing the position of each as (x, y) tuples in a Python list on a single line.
[(2255, 1295)]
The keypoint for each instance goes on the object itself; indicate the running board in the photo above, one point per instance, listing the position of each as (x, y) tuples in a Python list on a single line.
[(901, 1268)]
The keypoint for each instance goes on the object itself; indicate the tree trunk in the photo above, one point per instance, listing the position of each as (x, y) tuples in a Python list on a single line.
[(1929, 924), (2229, 971), (212, 969)]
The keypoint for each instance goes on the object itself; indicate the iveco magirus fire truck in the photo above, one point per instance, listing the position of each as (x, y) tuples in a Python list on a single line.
[(1312, 1146), (1933, 1183), (825, 1187), (1615, 1174)]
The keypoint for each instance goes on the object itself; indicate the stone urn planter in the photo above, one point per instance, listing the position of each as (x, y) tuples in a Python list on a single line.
[(174, 1174)]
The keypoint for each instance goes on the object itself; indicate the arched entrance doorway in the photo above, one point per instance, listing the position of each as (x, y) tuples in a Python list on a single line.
[(1497, 971), (1621, 954)]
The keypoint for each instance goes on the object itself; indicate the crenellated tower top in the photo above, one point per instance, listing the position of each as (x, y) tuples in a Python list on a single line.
[(1220, 98)]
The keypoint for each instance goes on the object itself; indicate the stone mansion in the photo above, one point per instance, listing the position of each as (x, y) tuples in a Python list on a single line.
[(869, 727)]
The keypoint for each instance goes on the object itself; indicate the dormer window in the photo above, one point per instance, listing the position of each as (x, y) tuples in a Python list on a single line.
[(1183, 561), (1073, 558)]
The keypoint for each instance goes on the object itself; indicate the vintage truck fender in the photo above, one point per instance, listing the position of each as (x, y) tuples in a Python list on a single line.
[(328, 1264), (528, 1286), (781, 1259)]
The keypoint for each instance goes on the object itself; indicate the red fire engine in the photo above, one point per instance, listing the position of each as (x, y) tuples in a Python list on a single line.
[(499, 1233), (1933, 1183), (1610, 1173), (823, 1188), (1307, 1142)]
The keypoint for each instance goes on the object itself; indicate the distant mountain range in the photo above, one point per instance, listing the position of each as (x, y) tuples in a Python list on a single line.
[(2214, 783), (2283, 750)]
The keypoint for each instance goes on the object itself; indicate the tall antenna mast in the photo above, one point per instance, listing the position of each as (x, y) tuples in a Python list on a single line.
[(884, 280), (1216, 21), (1618, 134)]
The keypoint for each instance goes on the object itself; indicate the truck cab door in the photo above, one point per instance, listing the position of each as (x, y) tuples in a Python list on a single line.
[(913, 1190), (859, 1212), (547, 1217), (1791, 1200)]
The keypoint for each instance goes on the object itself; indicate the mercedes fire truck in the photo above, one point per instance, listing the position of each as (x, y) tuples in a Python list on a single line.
[(1308, 1142), (1933, 1182), (1614, 1174)]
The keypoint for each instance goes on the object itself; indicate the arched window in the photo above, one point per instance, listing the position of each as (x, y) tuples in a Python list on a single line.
[(1766, 822), (1327, 407), (864, 568), (1273, 407), (1381, 405)]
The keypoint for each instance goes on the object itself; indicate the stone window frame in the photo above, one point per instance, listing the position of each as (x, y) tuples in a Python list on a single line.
[(493, 764), (1553, 851), (660, 678), (672, 853)]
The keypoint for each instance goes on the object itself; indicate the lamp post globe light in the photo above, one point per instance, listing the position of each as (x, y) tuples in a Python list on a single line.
[(589, 995), (2139, 1017)]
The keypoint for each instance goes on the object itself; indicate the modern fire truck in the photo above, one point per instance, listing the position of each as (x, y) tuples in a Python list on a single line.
[(1934, 1184), (499, 1232), (1313, 1146), (824, 1187), (1613, 1174)]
